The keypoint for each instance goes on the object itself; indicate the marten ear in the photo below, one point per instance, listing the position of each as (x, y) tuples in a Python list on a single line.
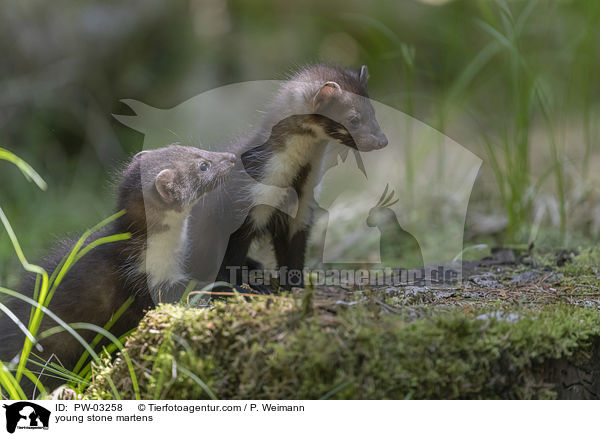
[(363, 76), (141, 153), (326, 94), (165, 182)]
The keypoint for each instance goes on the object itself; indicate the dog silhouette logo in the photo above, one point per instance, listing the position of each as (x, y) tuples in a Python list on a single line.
[(26, 415)]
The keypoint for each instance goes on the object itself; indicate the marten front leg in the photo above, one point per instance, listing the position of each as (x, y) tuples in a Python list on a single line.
[(235, 254), (290, 254)]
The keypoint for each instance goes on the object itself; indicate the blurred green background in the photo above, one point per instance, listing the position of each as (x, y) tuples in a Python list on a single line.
[(514, 82)]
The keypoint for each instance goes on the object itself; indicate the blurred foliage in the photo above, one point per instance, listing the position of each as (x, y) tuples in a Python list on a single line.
[(65, 66)]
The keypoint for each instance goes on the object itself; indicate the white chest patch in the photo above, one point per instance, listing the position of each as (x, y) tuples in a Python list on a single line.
[(280, 170), (165, 253)]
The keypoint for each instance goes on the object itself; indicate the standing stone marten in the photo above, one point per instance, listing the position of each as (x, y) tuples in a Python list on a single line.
[(318, 105), (158, 190)]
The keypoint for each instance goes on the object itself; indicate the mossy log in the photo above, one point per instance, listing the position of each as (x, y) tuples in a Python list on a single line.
[(281, 348)]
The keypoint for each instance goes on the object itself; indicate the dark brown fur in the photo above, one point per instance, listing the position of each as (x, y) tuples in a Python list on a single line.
[(100, 283)]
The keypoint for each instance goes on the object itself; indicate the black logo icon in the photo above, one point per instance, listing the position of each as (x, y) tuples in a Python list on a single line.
[(26, 415)]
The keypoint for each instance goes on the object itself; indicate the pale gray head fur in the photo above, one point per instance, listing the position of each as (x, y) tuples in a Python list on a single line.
[(177, 177), (340, 95)]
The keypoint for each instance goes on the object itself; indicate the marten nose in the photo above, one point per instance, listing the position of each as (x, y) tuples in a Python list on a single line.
[(382, 141), (230, 157)]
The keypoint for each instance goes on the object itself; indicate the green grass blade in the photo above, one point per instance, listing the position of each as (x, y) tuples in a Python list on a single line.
[(43, 291), (68, 328), (10, 384), (198, 381), (111, 348), (17, 247), (47, 294), (54, 370), (51, 314), (36, 292), (473, 68), (335, 390), (71, 258), (100, 241), (106, 327), (19, 324), (31, 376), (29, 173), (110, 337), (189, 288)]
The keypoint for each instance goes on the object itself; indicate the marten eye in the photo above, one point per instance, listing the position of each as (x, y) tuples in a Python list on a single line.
[(204, 166), (355, 120)]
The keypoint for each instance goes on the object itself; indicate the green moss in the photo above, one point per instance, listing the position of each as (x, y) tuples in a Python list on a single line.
[(587, 261), (276, 349)]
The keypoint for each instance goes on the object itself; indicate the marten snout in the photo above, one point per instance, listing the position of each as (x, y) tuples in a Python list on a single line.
[(210, 169), (229, 158), (212, 164), (370, 141), (350, 116)]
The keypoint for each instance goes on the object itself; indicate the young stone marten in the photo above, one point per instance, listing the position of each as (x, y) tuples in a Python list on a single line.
[(158, 190), (318, 105)]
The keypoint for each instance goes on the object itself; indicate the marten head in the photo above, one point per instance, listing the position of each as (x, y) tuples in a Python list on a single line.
[(177, 176), (338, 100), (170, 178)]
